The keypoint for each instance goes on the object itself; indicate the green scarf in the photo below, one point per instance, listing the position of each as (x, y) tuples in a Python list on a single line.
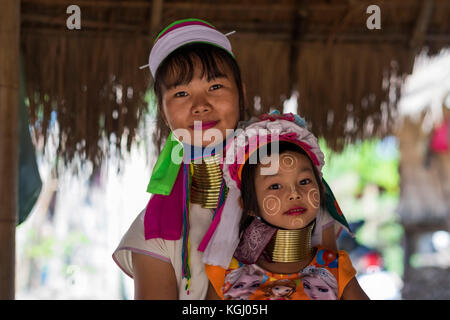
[(166, 171)]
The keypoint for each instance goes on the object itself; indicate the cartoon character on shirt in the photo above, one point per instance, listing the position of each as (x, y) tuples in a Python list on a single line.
[(242, 282), (319, 284), (280, 290)]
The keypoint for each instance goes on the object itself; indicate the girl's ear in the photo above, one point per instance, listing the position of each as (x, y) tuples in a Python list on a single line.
[(244, 91), (241, 204), (163, 117), (251, 213), (161, 113)]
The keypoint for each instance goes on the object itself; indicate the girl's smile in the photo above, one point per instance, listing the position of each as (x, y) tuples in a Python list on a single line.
[(295, 211)]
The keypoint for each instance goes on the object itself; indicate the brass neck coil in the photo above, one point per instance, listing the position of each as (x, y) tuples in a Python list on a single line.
[(206, 182), (291, 245)]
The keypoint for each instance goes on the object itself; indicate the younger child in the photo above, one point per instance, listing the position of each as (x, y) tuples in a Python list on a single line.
[(276, 164)]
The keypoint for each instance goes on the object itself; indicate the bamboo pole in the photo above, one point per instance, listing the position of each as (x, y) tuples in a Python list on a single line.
[(9, 138), (420, 30), (156, 14), (297, 24)]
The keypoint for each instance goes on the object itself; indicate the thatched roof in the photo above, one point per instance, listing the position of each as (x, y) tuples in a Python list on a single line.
[(343, 71)]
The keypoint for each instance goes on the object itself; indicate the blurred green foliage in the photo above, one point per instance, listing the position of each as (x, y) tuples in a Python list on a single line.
[(44, 247), (367, 179), (41, 247), (375, 161)]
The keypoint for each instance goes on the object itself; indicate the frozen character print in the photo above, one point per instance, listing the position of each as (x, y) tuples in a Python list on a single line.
[(319, 284), (242, 282)]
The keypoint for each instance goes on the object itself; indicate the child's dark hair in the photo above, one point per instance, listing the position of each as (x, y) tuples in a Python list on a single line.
[(178, 68), (248, 190)]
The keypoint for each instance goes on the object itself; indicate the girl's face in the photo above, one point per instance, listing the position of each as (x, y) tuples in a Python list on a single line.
[(317, 289), (212, 105), (288, 198)]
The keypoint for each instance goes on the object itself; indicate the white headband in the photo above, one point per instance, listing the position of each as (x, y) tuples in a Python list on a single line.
[(184, 35)]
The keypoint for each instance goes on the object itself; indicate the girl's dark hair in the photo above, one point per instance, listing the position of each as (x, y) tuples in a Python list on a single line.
[(178, 68), (248, 190)]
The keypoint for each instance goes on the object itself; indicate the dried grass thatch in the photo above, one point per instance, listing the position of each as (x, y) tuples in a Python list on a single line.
[(348, 77), (90, 85), (348, 110)]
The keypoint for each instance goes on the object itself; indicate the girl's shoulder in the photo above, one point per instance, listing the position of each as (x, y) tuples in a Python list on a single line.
[(134, 240)]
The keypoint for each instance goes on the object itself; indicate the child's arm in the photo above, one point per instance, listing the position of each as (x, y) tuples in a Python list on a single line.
[(154, 279), (353, 291), (212, 294)]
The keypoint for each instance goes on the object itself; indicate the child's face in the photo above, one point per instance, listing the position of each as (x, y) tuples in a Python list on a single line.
[(215, 103), (288, 198)]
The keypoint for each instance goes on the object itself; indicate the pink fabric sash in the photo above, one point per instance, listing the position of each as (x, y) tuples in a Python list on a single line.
[(164, 216)]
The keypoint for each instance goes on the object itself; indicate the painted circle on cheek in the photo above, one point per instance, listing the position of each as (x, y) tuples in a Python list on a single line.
[(297, 222), (314, 198), (271, 205), (288, 162)]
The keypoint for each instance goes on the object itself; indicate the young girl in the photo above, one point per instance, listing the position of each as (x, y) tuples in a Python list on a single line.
[(200, 95), (276, 164)]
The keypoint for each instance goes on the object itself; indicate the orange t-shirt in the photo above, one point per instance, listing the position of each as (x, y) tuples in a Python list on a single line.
[(323, 279)]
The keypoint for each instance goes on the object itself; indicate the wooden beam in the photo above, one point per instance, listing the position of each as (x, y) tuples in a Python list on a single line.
[(60, 22), (156, 18), (140, 33), (297, 24), (420, 30), (421, 27), (9, 141), (186, 5), (90, 3)]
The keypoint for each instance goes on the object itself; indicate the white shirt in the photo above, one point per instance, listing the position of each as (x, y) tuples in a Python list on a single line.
[(170, 251)]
